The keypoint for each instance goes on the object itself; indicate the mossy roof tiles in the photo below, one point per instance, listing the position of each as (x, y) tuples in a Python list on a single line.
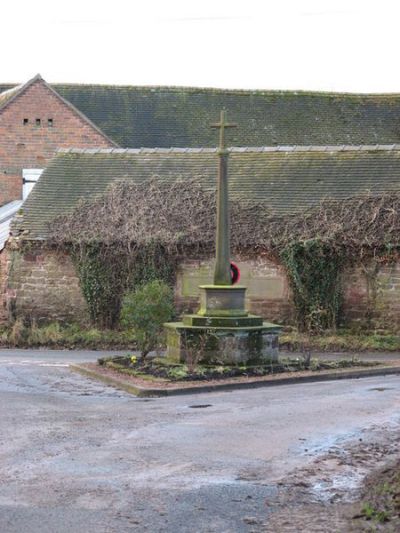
[(162, 116), (286, 181), (179, 116), (8, 94)]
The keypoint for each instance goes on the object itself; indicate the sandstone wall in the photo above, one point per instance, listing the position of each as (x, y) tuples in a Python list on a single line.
[(372, 296), (268, 293), (43, 285)]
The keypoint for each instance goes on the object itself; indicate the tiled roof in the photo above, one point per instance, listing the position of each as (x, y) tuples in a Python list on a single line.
[(287, 179), (7, 86), (5, 96), (179, 116)]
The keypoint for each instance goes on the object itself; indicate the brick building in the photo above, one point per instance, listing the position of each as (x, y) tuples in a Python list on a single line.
[(317, 145), (37, 118), (35, 121)]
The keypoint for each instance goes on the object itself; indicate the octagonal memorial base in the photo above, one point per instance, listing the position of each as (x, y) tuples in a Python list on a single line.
[(221, 344), (222, 332)]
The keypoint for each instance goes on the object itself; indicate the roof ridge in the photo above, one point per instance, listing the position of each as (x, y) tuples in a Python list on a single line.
[(238, 149), (243, 91), (14, 92)]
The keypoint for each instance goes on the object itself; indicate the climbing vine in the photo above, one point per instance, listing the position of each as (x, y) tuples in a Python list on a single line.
[(138, 232), (102, 281), (314, 271), (105, 275)]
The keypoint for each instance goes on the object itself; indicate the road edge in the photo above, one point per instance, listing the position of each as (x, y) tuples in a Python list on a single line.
[(145, 392)]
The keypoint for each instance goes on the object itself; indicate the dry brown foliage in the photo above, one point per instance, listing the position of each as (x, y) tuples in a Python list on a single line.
[(136, 232), (180, 216), (360, 225)]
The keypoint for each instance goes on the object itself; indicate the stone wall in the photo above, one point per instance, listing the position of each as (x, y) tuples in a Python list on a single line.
[(372, 296), (268, 293), (43, 286)]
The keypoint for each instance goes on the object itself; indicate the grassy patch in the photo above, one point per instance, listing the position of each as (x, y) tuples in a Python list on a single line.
[(370, 513), (161, 368), (341, 341), (381, 499), (58, 335), (71, 336)]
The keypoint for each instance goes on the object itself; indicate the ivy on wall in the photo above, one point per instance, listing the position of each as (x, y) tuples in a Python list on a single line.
[(101, 282), (314, 270), (138, 232), (105, 276)]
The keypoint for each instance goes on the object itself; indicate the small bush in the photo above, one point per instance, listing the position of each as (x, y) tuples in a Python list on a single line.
[(146, 310)]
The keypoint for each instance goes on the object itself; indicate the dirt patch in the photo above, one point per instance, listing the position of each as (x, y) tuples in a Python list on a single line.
[(332, 493)]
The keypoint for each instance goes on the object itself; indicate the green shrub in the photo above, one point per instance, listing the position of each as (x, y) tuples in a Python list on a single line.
[(146, 310)]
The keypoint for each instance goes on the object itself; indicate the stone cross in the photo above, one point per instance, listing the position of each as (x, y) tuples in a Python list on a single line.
[(222, 272)]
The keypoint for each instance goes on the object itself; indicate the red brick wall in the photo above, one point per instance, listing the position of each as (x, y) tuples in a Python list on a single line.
[(32, 146)]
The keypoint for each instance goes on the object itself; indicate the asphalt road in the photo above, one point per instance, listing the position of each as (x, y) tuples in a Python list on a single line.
[(77, 456)]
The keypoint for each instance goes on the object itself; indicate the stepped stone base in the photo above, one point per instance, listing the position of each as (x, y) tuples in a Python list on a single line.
[(223, 321), (256, 344), (222, 332)]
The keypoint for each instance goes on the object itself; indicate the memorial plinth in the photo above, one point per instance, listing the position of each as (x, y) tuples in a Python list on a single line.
[(222, 300), (225, 331), (222, 331)]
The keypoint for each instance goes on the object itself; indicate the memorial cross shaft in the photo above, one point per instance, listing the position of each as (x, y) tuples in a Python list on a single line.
[(222, 272)]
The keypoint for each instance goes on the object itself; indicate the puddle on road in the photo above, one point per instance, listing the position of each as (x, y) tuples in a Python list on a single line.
[(338, 473), (346, 483)]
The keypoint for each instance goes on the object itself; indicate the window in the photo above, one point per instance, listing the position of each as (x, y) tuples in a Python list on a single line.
[(50, 122), (38, 122), (26, 120)]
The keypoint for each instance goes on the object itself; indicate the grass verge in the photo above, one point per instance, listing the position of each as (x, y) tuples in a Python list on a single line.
[(340, 341), (70, 336)]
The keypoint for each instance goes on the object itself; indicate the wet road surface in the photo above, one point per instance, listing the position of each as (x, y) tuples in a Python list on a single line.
[(77, 456)]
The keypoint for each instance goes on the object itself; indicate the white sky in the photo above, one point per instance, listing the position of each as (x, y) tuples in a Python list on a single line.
[(341, 45)]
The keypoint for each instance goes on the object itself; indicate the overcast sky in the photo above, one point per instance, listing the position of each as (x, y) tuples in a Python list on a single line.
[(330, 45)]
